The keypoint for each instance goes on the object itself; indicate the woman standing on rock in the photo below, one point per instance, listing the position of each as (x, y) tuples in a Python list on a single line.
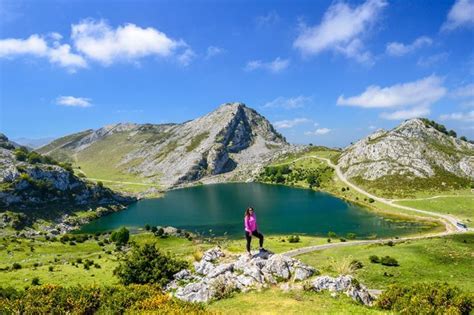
[(250, 223)]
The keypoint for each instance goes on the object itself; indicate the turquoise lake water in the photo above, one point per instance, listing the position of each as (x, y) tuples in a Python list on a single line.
[(279, 209)]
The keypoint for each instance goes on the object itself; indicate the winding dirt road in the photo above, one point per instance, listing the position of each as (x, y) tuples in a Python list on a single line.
[(450, 221)]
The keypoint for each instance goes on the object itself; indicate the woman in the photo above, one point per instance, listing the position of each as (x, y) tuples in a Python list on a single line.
[(250, 223)]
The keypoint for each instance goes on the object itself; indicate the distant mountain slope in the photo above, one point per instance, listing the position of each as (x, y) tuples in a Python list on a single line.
[(412, 156), (29, 181), (33, 142), (234, 139)]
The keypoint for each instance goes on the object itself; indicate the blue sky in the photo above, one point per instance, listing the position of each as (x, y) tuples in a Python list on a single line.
[(323, 72)]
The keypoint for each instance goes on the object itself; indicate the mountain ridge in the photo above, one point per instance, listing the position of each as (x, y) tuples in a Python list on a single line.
[(224, 141)]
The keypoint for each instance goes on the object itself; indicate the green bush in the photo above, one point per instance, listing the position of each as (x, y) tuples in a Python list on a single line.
[(332, 234), (293, 239), (35, 281), (351, 236), (121, 236), (53, 299), (146, 264), (426, 298), (389, 261), (16, 266), (357, 264), (374, 259)]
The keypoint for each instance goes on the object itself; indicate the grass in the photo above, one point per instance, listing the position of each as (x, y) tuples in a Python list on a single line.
[(274, 301), (460, 206), (196, 141), (102, 161), (60, 257), (274, 243), (449, 259)]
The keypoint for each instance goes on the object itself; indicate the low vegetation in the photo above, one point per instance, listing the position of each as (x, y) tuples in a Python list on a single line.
[(426, 298)]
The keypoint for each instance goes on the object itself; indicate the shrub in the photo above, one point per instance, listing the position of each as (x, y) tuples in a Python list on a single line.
[(389, 261), (100, 184), (147, 227), (351, 236), (154, 229), (35, 281), (293, 239), (197, 255), (332, 234), (374, 259), (16, 266), (146, 264), (342, 239), (222, 288), (53, 299), (390, 243), (160, 232), (121, 236), (343, 265), (426, 298), (357, 264), (50, 268), (371, 200)]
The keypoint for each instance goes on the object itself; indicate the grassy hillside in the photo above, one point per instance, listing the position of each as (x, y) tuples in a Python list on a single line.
[(448, 259), (461, 206)]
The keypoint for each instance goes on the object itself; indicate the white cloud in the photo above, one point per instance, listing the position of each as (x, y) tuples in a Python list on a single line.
[(341, 30), (464, 91), (429, 61), (99, 41), (413, 98), (399, 49), (461, 14), (33, 45), (402, 114), (422, 92), (286, 124), (288, 102), (468, 116), (37, 46), (267, 20), (73, 101), (318, 132), (274, 66), (186, 57), (213, 51), (371, 127)]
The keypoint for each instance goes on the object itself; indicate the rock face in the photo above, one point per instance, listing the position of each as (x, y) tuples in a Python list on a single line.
[(345, 284), (228, 141), (24, 185), (414, 149), (237, 273)]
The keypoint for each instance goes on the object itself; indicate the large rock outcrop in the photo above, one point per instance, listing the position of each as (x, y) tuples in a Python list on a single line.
[(413, 150)]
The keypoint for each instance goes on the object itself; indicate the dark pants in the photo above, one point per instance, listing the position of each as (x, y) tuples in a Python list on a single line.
[(248, 236)]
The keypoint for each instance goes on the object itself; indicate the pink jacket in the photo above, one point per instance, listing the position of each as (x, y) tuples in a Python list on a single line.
[(250, 223)]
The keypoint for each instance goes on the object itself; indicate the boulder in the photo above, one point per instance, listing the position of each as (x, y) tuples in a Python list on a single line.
[(203, 267), (279, 266), (184, 274), (195, 292), (212, 254), (220, 269), (346, 284)]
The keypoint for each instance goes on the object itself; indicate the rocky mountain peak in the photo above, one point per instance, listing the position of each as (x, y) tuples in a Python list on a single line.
[(416, 149)]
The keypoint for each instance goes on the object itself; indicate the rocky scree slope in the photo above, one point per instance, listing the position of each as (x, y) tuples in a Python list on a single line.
[(232, 141), (27, 184), (216, 275), (413, 151)]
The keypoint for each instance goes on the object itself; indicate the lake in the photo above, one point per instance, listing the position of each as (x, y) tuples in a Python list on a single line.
[(218, 209)]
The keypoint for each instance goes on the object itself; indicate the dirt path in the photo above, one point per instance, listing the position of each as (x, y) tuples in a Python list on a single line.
[(448, 219)]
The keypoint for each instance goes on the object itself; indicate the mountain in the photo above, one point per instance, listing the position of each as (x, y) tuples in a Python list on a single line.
[(39, 187), (33, 143), (229, 143), (418, 154)]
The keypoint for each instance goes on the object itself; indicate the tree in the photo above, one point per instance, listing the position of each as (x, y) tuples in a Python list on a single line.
[(146, 264), (21, 154), (34, 157), (147, 227), (332, 234), (463, 138), (121, 236), (312, 180), (452, 133)]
